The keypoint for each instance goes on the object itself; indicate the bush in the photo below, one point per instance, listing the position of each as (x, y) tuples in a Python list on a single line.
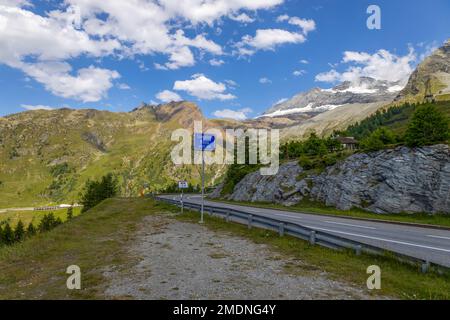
[(305, 163), (378, 139), (427, 126), (97, 191)]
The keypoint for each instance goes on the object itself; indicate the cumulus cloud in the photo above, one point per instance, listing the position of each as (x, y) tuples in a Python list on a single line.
[(243, 17), (198, 11), (36, 107), (32, 41), (269, 39), (203, 88), (304, 61), (382, 65), (241, 114), (88, 85), (167, 96)]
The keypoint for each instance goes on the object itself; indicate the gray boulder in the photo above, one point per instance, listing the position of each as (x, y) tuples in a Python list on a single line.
[(389, 181)]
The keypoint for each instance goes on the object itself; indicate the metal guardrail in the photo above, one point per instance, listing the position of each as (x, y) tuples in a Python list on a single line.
[(313, 236)]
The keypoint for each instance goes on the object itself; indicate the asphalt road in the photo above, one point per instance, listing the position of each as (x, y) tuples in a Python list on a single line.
[(425, 243)]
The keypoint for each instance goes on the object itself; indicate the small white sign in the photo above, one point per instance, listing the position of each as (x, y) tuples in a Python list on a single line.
[(183, 184)]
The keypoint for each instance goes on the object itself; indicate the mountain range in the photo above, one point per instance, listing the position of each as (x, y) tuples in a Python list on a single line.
[(46, 156)]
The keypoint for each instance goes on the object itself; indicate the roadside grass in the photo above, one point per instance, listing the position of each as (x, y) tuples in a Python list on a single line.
[(95, 241), (13, 217), (98, 240), (311, 207), (399, 281)]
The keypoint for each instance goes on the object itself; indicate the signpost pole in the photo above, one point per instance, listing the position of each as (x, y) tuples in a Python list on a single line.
[(203, 182), (182, 205)]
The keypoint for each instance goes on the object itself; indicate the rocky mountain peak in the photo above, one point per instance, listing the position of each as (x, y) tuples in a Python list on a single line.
[(362, 90), (431, 79)]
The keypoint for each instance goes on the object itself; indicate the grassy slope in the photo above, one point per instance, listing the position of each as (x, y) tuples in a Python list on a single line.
[(98, 240), (35, 269), (34, 216), (137, 150)]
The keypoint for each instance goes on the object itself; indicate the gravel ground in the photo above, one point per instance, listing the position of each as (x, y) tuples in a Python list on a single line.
[(188, 261)]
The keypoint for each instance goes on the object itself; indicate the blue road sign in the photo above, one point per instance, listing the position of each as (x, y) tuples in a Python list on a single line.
[(204, 142)]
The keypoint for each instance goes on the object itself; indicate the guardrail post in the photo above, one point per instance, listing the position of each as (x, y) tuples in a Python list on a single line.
[(227, 216), (211, 211), (425, 266), (312, 237), (250, 218), (358, 250), (281, 229)]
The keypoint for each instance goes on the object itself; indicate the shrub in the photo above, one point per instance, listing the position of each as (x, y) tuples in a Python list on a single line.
[(378, 139), (305, 163)]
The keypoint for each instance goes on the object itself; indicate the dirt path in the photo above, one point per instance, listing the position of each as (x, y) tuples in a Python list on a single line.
[(188, 261)]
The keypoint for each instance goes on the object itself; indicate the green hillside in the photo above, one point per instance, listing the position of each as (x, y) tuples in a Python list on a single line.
[(47, 156), (395, 118)]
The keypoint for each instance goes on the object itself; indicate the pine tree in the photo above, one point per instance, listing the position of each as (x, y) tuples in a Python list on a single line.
[(8, 234), (31, 230), (427, 126), (70, 212), (19, 233), (97, 191)]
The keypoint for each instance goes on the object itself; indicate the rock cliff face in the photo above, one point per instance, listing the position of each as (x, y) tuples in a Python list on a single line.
[(389, 181)]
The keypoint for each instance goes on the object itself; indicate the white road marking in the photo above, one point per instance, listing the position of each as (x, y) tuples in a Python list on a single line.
[(381, 239), (439, 237), (351, 225)]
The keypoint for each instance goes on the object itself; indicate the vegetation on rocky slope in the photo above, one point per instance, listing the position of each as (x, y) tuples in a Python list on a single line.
[(47, 156)]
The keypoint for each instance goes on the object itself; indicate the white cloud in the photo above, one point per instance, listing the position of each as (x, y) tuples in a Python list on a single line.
[(123, 86), (282, 18), (36, 107), (198, 11), (304, 61), (243, 17), (203, 88), (216, 62), (167, 96), (307, 25), (232, 114), (15, 3), (381, 65), (267, 39), (299, 73), (265, 80), (32, 41), (89, 85), (231, 84)]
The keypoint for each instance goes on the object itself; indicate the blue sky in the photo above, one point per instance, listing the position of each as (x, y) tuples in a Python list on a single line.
[(234, 58)]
